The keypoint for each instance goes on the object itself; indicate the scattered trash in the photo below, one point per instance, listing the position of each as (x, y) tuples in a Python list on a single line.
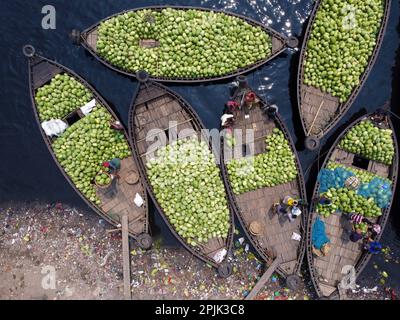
[(88, 261)]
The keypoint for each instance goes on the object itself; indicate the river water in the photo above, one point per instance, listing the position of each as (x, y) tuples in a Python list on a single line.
[(27, 171)]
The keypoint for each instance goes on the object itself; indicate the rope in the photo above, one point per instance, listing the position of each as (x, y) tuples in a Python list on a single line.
[(394, 114), (310, 166), (319, 153)]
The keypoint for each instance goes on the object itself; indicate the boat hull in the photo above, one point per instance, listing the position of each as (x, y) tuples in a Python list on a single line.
[(320, 112), (157, 100), (351, 254), (41, 71), (280, 43)]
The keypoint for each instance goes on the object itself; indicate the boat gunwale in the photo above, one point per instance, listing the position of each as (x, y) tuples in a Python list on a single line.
[(271, 32), (365, 257), (98, 97), (343, 108), (189, 109), (302, 190)]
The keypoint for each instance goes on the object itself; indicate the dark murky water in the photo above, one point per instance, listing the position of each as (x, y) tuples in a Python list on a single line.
[(27, 171)]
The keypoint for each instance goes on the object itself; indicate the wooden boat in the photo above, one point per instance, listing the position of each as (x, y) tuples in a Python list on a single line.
[(89, 38), (116, 200), (326, 271), (274, 238), (155, 107), (321, 111)]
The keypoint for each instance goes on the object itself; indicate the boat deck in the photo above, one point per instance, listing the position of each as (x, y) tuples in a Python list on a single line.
[(318, 109), (157, 109), (42, 72), (117, 200), (257, 205)]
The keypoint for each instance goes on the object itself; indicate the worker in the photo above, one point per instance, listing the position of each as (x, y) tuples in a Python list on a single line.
[(354, 219), (375, 229), (288, 207), (290, 201), (232, 107), (250, 99), (227, 120), (324, 200), (113, 166), (280, 208), (116, 125), (294, 213), (356, 235), (373, 247)]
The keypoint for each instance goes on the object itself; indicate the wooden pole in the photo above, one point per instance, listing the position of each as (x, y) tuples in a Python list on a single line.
[(316, 116), (263, 280), (126, 258)]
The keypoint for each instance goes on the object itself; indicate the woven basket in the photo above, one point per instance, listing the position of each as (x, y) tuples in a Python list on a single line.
[(132, 177), (102, 186)]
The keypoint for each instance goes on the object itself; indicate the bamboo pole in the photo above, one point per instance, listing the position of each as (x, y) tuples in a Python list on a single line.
[(316, 116)]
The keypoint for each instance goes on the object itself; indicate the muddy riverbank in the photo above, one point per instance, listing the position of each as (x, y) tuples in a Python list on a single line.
[(56, 252)]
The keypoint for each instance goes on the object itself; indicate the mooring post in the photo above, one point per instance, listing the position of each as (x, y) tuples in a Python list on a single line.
[(126, 258), (263, 280)]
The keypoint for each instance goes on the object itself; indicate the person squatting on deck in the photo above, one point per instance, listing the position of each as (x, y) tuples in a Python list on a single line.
[(373, 247), (230, 114), (356, 230), (113, 167), (289, 207)]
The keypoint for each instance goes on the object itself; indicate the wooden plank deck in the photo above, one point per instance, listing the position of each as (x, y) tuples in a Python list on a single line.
[(277, 44), (43, 72), (92, 39), (117, 200), (317, 108), (257, 205)]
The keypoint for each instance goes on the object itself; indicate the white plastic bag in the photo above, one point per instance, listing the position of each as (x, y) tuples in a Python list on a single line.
[(138, 200), (296, 236), (54, 127), (220, 255), (88, 107), (225, 118)]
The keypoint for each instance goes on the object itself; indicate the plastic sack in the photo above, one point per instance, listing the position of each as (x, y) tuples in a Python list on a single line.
[(379, 189), (138, 200), (88, 107), (296, 236), (54, 127), (336, 178), (220, 255)]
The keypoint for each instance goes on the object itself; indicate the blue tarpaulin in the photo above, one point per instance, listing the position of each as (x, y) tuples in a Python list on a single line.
[(319, 237)]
